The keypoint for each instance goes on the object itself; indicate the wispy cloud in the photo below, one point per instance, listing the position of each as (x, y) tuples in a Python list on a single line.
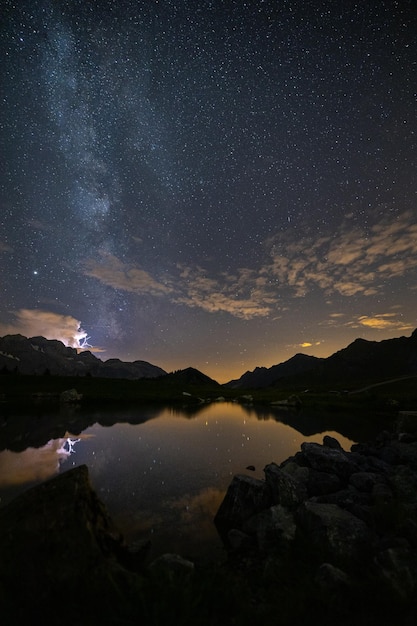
[(382, 321), (309, 344), (351, 262), (35, 322), (109, 270), (243, 295)]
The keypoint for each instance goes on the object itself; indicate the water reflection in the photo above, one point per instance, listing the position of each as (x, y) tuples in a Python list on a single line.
[(35, 464), (162, 474)]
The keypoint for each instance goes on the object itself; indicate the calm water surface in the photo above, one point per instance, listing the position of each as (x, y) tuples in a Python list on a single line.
[(164, 478)]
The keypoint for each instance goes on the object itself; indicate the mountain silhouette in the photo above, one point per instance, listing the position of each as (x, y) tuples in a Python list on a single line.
[(361, 360), (264, 377), (37, 355), (189, 376)]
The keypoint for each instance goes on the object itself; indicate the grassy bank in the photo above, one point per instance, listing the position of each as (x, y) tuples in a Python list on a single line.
[(385, 398)]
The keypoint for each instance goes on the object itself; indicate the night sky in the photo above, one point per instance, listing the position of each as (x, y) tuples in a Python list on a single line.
[(216, 184)]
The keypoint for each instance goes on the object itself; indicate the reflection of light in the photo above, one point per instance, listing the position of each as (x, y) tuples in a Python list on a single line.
[(34, 464), (70, 443)]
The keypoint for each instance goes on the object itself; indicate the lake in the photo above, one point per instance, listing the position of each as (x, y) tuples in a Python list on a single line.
[(162, 473)]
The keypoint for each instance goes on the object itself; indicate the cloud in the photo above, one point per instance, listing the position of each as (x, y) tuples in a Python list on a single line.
[(383, 321), (34, 323), (309, 344), (4, 247), (242, 295), (352, 262), (112, 272)]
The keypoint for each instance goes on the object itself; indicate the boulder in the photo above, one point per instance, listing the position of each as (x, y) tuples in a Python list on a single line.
[(365, 481), (245, 497), (171, 566), (238, 540), (321, 483), (59, 548), (334, 532), (284, 488), (397, 566), (296, 471), (331, 578), (274, 528), (330, 460), (356, 511), (331, 442)]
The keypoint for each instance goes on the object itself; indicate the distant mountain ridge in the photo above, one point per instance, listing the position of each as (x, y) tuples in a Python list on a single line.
[(190, 376), (37, 355), (360, 360), (264, 377)]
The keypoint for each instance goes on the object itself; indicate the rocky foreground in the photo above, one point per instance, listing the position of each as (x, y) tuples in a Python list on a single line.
[(329, 535)]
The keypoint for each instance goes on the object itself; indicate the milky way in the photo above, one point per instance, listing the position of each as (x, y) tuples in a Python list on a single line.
[(208, 183)]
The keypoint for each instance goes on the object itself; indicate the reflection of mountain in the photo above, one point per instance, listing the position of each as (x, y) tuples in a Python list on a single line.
[(360, 361), (352, 426), (309, 423), (23, 431), (38, 355)]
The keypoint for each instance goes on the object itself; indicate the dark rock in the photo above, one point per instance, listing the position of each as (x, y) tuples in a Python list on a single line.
[(398, 567), (171, 566), (297, 472), (407, 437), (357, 510), (321, 483), (381, 493), (364, 481), (334, 531), (58, 543), (331, 578), (245, 497), (284, 489), (331, 442), (403, 481), (274, 528), (238, 540), (345, 498), (409, 530), (329, 460), (369, 463)]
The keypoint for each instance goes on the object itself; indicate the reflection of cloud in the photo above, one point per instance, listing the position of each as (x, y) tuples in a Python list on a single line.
[(34, 323), (200, 507), (34, 464), (110, 271)]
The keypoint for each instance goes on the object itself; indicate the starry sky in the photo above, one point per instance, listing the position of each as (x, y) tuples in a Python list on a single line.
[(208, 183)]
